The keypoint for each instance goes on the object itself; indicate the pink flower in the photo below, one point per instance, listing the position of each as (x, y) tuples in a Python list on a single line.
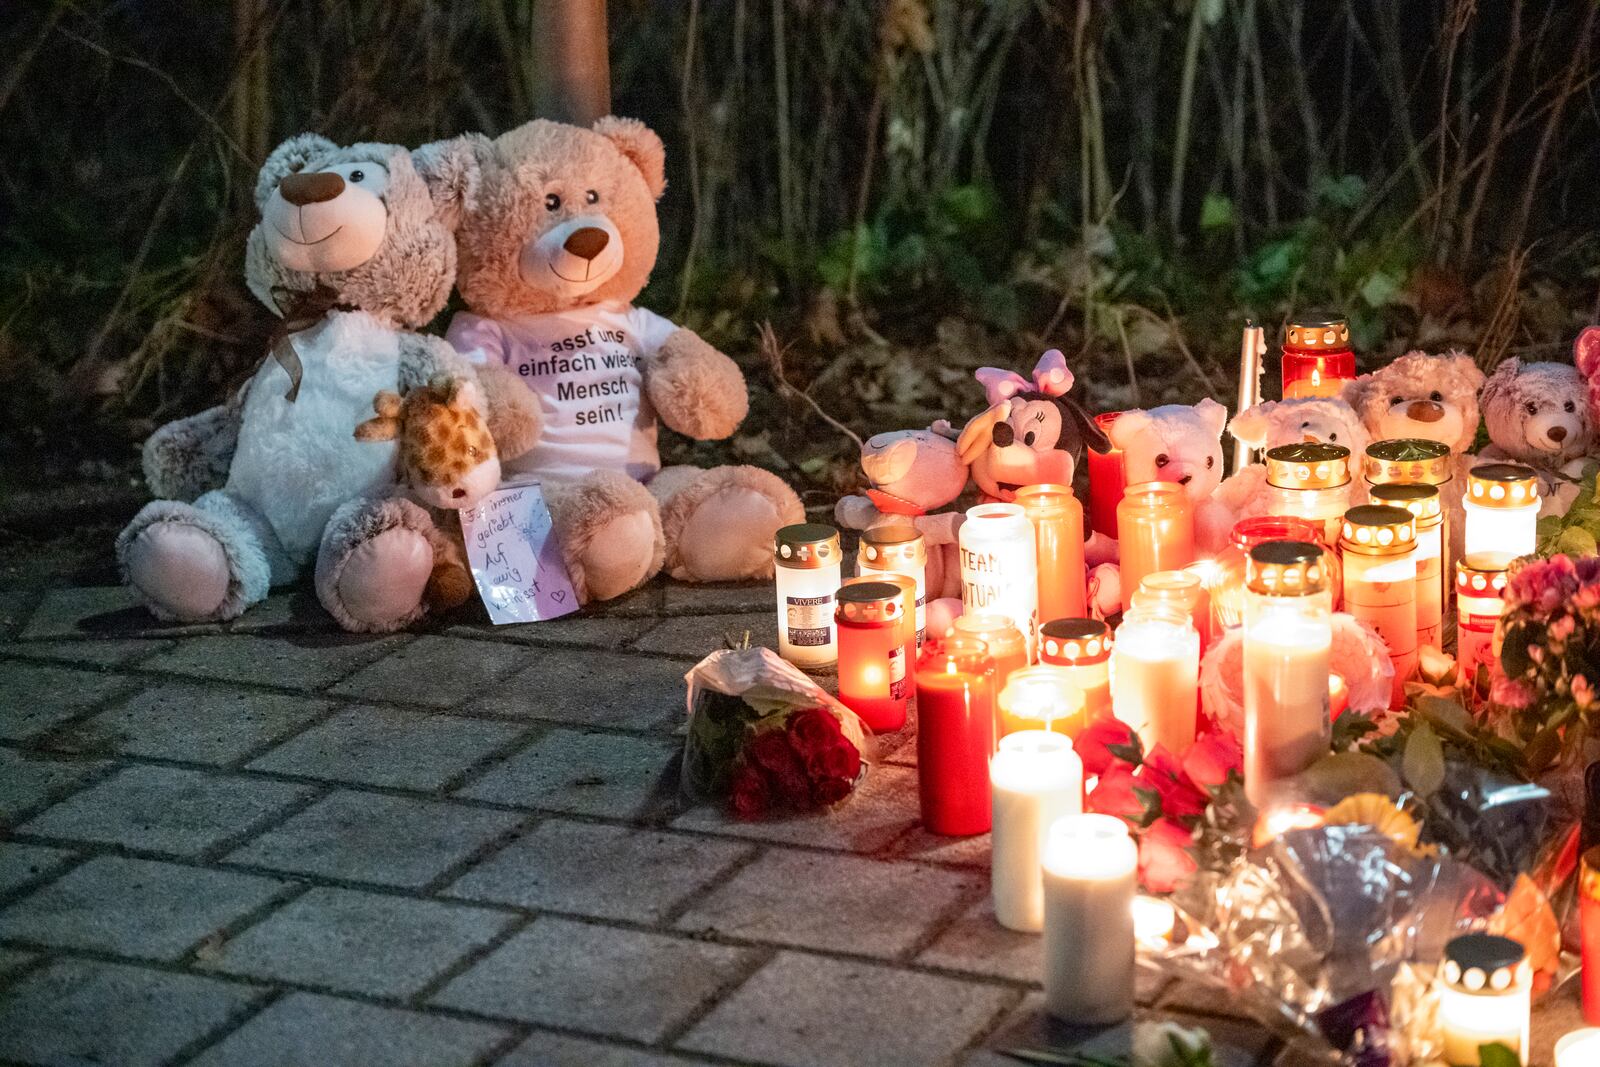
[(1180, 798), (1209, 759), (1582, 692), (1562, 628), (1512, 693), (1542, 585), (1092, 744), (1114, 793), (1164, 860)]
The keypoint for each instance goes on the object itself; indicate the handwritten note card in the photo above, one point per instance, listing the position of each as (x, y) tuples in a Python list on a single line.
[(515, 557)]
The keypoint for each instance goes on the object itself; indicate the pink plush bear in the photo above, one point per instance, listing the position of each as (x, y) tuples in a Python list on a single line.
[(1183, 444)]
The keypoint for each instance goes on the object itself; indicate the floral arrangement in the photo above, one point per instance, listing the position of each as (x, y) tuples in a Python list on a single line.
[(796, 760), (1550, 656)]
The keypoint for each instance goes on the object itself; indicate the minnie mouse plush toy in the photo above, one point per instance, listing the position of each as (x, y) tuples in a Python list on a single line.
[(1032, 433)]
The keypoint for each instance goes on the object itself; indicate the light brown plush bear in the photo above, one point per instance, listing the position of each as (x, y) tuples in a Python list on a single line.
[(559, 240)]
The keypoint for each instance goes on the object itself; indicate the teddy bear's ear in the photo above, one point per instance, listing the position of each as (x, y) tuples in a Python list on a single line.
[(943, 428), (1463, 371), (289, 157), (1500, 382), (452, 169), (642, 147), (1586, 353), (1249, 427), (1355, 393), (1126, 428), (1213, 415)]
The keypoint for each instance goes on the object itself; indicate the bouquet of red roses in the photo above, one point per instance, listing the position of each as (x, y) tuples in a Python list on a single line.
[(767, 737)]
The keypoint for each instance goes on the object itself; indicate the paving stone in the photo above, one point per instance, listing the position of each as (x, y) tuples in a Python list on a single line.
[(696, 635), (611, 872), (304, 1029), (381, 746), (28, 779), (165, 809), (100, 652), (882, 809), (687, 598), (348, 940), (39, 697), (921, 845), (646, 601), (810, 1011), (587, 773), (15, 607), (837, 903), (434, 670), (370, 837), (592, 689), (100, 611), (976, 942), (294, 609), (1030, 1028), (587, 631), (288, 661), (557, 1050), (11, 961), (21, 864), (597, 979), (81, 1012), (134, 907), (195, 723)]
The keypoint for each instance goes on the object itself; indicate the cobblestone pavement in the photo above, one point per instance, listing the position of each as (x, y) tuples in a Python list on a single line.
[(271, 843)]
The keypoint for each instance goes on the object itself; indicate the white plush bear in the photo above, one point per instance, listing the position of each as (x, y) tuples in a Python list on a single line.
[(1537, 414), (1183, 444), (1283, 422)]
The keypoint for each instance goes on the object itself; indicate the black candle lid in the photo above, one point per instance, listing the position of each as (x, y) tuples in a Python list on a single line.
[(1484, 963)]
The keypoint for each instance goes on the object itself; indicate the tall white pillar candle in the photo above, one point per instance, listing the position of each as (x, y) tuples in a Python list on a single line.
[(1090, 868), (1155, 676), (1034, 780)]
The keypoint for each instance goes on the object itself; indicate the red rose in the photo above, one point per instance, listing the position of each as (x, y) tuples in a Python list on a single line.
[(750, 796), (813, 729), (769, 750), (838, 760), (1114, 793), (826, 792), (1092, 744), (1180, 798), (1210, 759), (1164, 860)]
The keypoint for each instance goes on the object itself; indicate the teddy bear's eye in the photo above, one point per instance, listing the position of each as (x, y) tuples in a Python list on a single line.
[(1569, 406), (1163, 459), (1333, 437), (1393, 400), (1211, 461), (358, 175), (472, 450), (592, 197), (552, 202), (1436, 396), (1531, 408)]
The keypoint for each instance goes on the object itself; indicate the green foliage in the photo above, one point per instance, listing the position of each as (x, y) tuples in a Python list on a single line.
[(1577, 533)]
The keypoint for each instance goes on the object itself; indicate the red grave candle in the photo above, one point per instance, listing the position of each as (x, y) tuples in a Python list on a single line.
[(1106, 482), (1589, 918), (1317, 360), (955, 735), (874, 677)]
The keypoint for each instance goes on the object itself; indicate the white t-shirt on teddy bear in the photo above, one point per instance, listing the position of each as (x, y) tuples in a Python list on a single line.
[(584, 366)]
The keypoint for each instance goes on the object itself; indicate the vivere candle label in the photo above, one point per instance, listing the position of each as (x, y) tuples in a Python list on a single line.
[(808, 619), (515, 556)]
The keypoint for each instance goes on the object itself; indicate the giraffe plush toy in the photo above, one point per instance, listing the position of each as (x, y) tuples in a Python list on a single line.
[(446, 459)]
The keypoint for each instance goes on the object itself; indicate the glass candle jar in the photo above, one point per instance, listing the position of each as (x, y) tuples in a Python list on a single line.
[(874, 677), (1081, 647), (1589, 921), (908, 610), (1184, 590), (1310, 481), (1040, 698), (1155, 530), (898, 548), (1317, 360), (1106, 481), (1003, 640), (1480, 600), (1415, 460), (1423, 502), (1057, 519), (1502, 503), (1288, 642), (999, 566), (1485, 997), (955, 736), (807, 573), (1378, 547), (1155, 676), (1227, 583), (1034, 779)]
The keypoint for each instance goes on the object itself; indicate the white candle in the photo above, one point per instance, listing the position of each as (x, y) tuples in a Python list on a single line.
[(1502, 506), (1034, 779), (1000, 566), (1090, 866), (1485, 997), (898, 549), (1155, 676), (807, 578), (1581, 1048)]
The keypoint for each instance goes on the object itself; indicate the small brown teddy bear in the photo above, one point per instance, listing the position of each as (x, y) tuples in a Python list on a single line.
[(1419, 395), (557, 243), (1537, 414)]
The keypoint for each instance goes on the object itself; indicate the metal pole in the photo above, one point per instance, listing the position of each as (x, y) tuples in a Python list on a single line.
[(573, 65)]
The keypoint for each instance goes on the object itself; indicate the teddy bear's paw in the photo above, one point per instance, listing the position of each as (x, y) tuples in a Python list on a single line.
[(720, 528), (620, 555), (381, 585), (180, 570)]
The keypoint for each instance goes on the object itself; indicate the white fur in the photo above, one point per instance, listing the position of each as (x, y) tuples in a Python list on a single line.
[(296, 462)]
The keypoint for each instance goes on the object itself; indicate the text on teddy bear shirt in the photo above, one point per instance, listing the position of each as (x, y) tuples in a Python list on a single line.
[(584, 365)]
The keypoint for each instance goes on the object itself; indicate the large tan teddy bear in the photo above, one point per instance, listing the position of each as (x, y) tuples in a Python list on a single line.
[(559, 240)]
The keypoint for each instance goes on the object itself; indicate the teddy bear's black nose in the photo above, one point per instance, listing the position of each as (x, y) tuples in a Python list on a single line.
[(1557, 433), (1003, 434), (587, 242), (457, 494), (302, 189)]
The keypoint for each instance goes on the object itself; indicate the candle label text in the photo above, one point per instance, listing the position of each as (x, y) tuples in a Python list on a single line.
[(809, 619), (897, 673)]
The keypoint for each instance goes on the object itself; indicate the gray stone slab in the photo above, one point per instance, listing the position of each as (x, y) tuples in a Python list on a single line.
[(99, 652), (372, 837), (592, 688), (645, 601), (437, 671), (290, 609), (79, 1012), (693, 636), (543, 1049), (36, 697), (688, 599), (166, 809), (829, 902), (581, 630), (610, 872), (882, 809), (977, 943), (598, 979), (134, 907), (12, 960), (920, 845), (15, 607), (1031, 1029), (21, 864), (287, 661), (100, 611), (214, 724), (588, 773), (305, 1029), (348, 940), (387, 747), (29, 779), (810, 1011)]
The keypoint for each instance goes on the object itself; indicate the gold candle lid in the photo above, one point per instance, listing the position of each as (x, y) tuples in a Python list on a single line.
[(1317, 329), (1378, 530), (1407, 459), (1503, 485), (1482, 574), (870, 602), (1074, 642), (1286, 568), (808, 546), (1308, 465), (886, 547), (1420, 499)]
